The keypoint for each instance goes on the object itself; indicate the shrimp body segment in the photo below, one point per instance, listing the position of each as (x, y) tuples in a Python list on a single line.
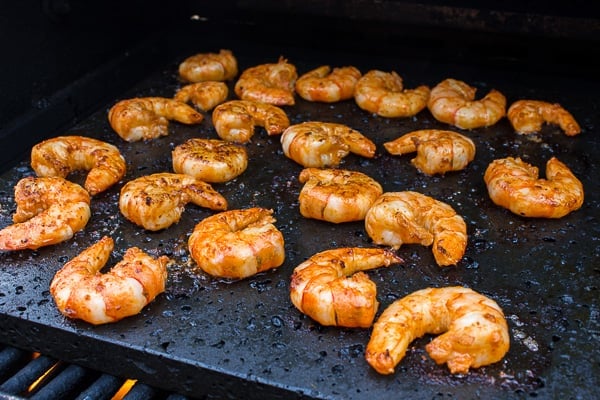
[(527, 116), (210, 160), (62, 155), (50, 210), (157, 201), (337, 195), (324, 144), (438, 151), (82, 292), (147, 118), (221, 66), (236, 120), (515, 185), (383, 93), (237, 244), (407, 217), (325, 85), (453, 102), (331, 288), (473, 329), (271, 83), (204, 95)]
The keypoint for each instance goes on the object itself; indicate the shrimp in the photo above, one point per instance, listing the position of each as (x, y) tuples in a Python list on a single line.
[(157, 201), (237, 244), (50, 210), (80, 291), (410, 217), (438, 151), (221, 66), (453, 102), (271, 83), (62, 155), (210, 160), (204, 95), (383, 93), (514, 184), (235, 120), (527, 116), (327, 86), (324, 144), (331, 288), (146, 118), (473, 329), (337, 195)]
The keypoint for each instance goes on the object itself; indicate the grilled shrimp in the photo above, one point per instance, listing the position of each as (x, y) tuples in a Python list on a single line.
[(146, 118), (328, 86), (204, 95), (331, 288), (514, 184), (527, 116), (383, 93), (82, 292), (396, 218), (337, 195), (271, 83), (210, 160), (221, 66), (473, 329), (438, 151), (235, 120), (62, 155), (237, 244), (157, 201), (49, 210), (453, 102), (324, 144)]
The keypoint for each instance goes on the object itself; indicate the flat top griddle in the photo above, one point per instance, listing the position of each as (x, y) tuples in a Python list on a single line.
[(206, 336)]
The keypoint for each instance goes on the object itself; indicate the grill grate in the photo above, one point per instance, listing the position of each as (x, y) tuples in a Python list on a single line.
[(27, 375)]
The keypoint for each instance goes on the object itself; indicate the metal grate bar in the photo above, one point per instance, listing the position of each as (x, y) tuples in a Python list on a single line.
[(10, 358), (102, 389), (139, 391), (19, 382), (64, 384)]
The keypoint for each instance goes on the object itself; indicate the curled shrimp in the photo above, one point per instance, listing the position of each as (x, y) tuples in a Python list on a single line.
[(50, 210), (237, 244), (383, 93), (324, 144), (515, 185), (82, 292), (235, 120), (473, 329), (336, 195), (438, 151), (221, 66), (210, 160), (157, 201), (271, 83), (325, 85), (527, 116), (62, 155), (204, 95), (407, 217), (146, 118), (453, 102), (331, 288)]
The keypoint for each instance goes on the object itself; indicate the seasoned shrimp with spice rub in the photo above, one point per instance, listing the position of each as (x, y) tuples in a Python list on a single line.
[(331, 288), (82, 292), (221, 66), (324, 144), (157, 201), (203, 95), (527, 116), (271, 83), (473, 329), (325, 85), (50, 210), (62, 155), (237, 244)]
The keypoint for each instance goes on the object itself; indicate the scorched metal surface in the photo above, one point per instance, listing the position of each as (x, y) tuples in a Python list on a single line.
[(206, 337)]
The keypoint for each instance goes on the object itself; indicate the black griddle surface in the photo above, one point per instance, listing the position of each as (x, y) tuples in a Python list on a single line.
[(209, 337)]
